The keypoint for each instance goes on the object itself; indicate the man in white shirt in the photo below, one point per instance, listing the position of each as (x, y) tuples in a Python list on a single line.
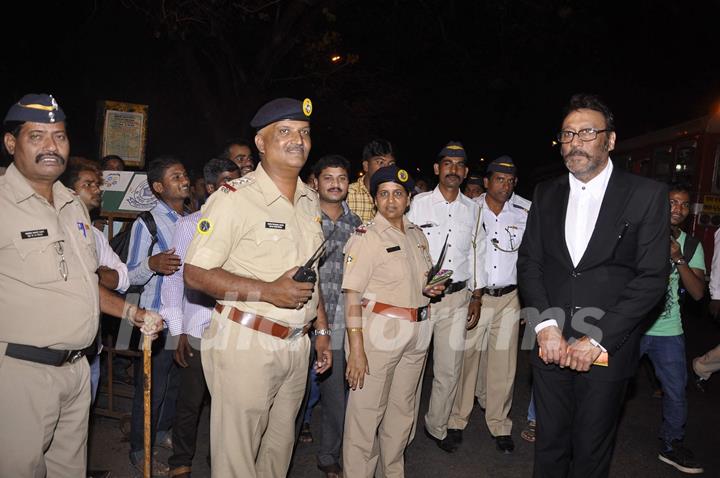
[(709, 363), (593, 263), (491, 348), (451, 221), (84, 177)]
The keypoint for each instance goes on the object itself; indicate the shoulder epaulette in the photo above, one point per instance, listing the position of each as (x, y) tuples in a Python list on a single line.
[(522, 208), (232, 186)]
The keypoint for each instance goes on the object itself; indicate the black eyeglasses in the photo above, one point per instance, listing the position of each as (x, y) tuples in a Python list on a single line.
[(585, 135)]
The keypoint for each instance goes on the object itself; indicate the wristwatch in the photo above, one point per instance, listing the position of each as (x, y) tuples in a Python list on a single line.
[(323, 332), (678, 262)]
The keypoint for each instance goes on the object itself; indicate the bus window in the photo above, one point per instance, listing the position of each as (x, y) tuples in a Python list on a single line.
[(662, 163), (716, 171), (685, 159)]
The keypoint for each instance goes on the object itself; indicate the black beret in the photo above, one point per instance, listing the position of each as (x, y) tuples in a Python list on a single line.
[(282, 109), (35, 109), (503, 164), (391, 174), (454, 149)]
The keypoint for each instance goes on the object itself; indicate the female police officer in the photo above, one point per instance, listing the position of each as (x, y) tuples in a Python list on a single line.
[(386, 296)]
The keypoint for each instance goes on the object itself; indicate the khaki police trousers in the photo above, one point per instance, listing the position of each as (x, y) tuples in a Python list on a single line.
[(705, 365), (448, 319), (379, 416), (43, 419), (489, 365), (257, 383)]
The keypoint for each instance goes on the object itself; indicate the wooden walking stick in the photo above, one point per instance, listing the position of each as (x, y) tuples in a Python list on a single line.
[(147, 388)]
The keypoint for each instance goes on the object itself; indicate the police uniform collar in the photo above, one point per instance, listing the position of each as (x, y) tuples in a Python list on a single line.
[(437, 196), (507, 207), (270, 191), (22, 189), (383, 224)]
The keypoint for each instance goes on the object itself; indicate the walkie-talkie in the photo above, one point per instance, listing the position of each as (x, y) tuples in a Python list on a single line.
[(306, 273)]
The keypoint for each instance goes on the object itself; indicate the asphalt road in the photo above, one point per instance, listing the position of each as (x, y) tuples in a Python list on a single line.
[(635, 454)]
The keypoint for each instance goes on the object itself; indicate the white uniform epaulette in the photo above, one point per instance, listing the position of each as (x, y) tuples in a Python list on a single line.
[(520, 202)]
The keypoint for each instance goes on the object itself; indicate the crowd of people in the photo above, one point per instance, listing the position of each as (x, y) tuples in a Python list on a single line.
[(273, 293)]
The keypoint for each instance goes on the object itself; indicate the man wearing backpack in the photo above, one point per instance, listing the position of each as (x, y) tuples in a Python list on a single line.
[(149, 259), (664, 342)]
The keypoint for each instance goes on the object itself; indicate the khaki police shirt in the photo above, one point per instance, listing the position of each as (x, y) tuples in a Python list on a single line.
[(38, 306), (386, 265), (255, 232)]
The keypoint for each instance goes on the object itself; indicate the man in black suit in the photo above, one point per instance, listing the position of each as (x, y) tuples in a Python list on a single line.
[(593, 262)]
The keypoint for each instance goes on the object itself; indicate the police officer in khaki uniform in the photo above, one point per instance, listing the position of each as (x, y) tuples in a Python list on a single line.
[(50, 300), (253, 234), (386, 294)]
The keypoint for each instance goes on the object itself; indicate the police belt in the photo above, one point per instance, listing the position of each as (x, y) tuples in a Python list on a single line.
[(413, 314), (499, 292), (48, 356), (263, 324), (455, 286)]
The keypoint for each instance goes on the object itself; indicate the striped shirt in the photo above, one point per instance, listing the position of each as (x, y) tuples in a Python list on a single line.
[(108, 258), (139, 270), (360, 201), (185, 311), (331, 271)]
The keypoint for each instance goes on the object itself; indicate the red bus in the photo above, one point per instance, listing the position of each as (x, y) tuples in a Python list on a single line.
[(690, 153)]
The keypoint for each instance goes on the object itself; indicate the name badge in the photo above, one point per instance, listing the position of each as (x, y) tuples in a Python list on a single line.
[(274, 225), (393, 249), (34, 233)]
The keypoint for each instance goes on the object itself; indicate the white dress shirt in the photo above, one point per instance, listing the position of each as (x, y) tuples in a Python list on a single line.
[(715, 269), (583, 209), (108, 258), (459, 222), (504, 234)]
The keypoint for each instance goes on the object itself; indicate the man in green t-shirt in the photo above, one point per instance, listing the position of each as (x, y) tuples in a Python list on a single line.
[(664, 342)]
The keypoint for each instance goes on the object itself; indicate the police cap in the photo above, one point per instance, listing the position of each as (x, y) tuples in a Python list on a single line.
[(391, 174), (503, 164), (35, 108), (454, 149), (282, 109)]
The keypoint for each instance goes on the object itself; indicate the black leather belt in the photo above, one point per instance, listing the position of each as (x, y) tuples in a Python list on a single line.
[(48, 356), (500, 291), (455, 286)]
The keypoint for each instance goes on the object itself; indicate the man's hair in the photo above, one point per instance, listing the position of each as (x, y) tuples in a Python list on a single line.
[(225, 152), (330, 161), (377, 147), (158, 166), (679, 187), (591, 102), (110, 157), (12, 127), (77, 165), (215, 167)]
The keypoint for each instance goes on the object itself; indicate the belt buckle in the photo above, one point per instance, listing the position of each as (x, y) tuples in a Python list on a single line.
[(295, 332), (74, 356)]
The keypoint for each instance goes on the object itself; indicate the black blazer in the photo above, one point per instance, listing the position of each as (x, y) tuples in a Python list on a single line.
[(623, 273)]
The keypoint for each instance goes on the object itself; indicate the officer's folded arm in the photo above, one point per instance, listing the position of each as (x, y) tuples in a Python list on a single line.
[(223, 285)]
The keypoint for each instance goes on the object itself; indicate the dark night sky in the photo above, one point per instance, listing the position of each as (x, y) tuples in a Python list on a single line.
[(493, 74)]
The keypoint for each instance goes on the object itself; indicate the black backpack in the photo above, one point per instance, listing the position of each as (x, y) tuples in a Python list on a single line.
[(121, 244)]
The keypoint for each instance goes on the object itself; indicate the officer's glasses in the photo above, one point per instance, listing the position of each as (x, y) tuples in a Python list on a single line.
[(585, 135), (62, 267), (511, 239)]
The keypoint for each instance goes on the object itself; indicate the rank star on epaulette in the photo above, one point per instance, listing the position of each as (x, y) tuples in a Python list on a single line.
[(227, 188)]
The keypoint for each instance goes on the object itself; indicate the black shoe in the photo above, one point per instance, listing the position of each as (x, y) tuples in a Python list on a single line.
[(455, 435), (445, 445), (505, 444), (681, 458), (701, 384)]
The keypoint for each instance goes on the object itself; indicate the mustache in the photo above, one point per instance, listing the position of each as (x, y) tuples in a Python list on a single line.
[(43, 156), (296, 149), (577, 152), (453, 176)]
